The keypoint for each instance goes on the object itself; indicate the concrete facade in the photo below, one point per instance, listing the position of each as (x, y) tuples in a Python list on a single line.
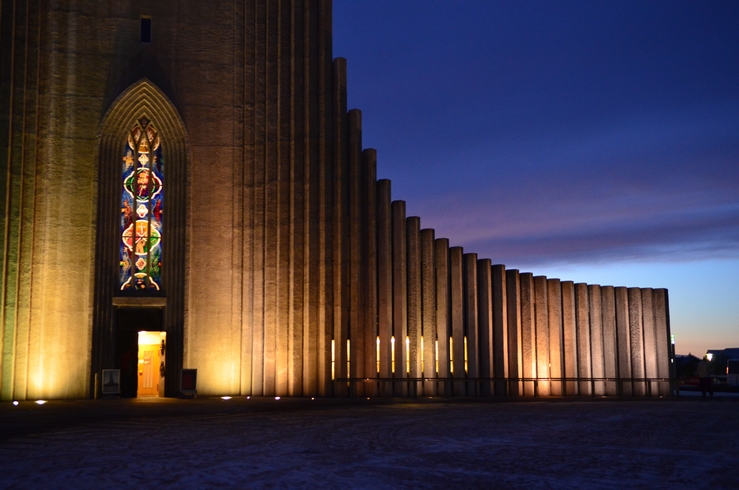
[(287, 267)]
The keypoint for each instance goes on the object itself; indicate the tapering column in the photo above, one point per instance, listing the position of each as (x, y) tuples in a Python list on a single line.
[(385, 282), (504, 366), (542, 336), (636, 337), (623, 341), (569, 337), (610, 351), (582, 320), (650, 339), (596, 338), (369, 159), (471, 324), (443, 317), (528, 333), (662, 333), (428, 286), (400, 297), (340, 244), (513, 309), (413, 233), (554, 317), (356, 244), (485, 318), (456, 306)]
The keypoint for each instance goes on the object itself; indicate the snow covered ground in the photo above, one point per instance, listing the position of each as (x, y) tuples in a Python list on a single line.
[(298, 443)]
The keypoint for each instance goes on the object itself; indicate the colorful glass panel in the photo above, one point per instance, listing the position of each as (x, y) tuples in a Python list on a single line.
[(142, 203)]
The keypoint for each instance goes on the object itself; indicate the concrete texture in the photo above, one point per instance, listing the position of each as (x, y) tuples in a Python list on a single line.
[(266, 443)]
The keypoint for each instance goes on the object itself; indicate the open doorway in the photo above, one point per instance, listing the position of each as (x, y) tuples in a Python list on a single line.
[(152, 346), (141, 346)]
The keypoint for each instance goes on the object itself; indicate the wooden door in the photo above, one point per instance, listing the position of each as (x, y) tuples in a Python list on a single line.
[(148, 370)]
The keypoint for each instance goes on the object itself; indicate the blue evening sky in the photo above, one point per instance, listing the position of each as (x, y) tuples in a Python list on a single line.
[(590, 141)]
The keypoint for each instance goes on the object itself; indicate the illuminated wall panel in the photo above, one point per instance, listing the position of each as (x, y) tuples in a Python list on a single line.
[(485, 320), (569, 337), (582, 320), (505, 360), (554, 318), (428, 331), (541, 322), (610, 350), (596, 338)]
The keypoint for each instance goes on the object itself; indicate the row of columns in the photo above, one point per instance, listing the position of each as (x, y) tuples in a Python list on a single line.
[(450, 323)]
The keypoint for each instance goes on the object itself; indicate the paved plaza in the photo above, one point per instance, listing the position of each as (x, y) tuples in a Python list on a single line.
[(327, 443)]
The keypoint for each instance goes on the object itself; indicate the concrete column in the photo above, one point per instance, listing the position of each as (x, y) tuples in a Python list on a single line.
[(650, 339), (415, 314), (513, 310), (582, 320), (569, 337), (504, 367), (610, 350), (369, 158), (596, 338), (485, 318), (443, 317), (554, 317), (428, 286), (400, 296), (662, 334), (339, 224), (528, 332), (456, 311), (356, 278), (623, 341), (471, 324), (384, 282), (541, 321), (636, 337)]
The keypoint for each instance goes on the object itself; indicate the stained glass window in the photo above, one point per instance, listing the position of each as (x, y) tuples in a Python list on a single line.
[(142, 203)]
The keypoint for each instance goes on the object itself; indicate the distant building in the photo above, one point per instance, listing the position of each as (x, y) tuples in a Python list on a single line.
[(184, 187)]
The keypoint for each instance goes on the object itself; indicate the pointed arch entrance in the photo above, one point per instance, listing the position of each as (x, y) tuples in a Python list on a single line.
[(140, 266)]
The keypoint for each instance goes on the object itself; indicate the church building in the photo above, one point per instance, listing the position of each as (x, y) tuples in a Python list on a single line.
[(182, 186)]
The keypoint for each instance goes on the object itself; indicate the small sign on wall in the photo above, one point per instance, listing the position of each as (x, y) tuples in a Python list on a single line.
[(111, 382), (188, 382)]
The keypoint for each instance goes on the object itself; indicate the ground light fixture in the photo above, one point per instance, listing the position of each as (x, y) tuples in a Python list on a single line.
[(15, 402), (40, 402), (225, 398), (277, 398)]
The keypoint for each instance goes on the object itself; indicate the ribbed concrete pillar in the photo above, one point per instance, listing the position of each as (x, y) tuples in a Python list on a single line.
[(384, 282), (485, 319), (636, 337), (503, 364), (356, 259), (569, 337), (610, 350), (443, 317), (554, 317), (471, 323), (623, 340), (528, 333), (650, 339), (456, 311), (513, 310), (596, 338), (340, 243), (582, 320), (428, 331), (400, 296), (369, 159), (541, 310), (662, 333), (415, 298)]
